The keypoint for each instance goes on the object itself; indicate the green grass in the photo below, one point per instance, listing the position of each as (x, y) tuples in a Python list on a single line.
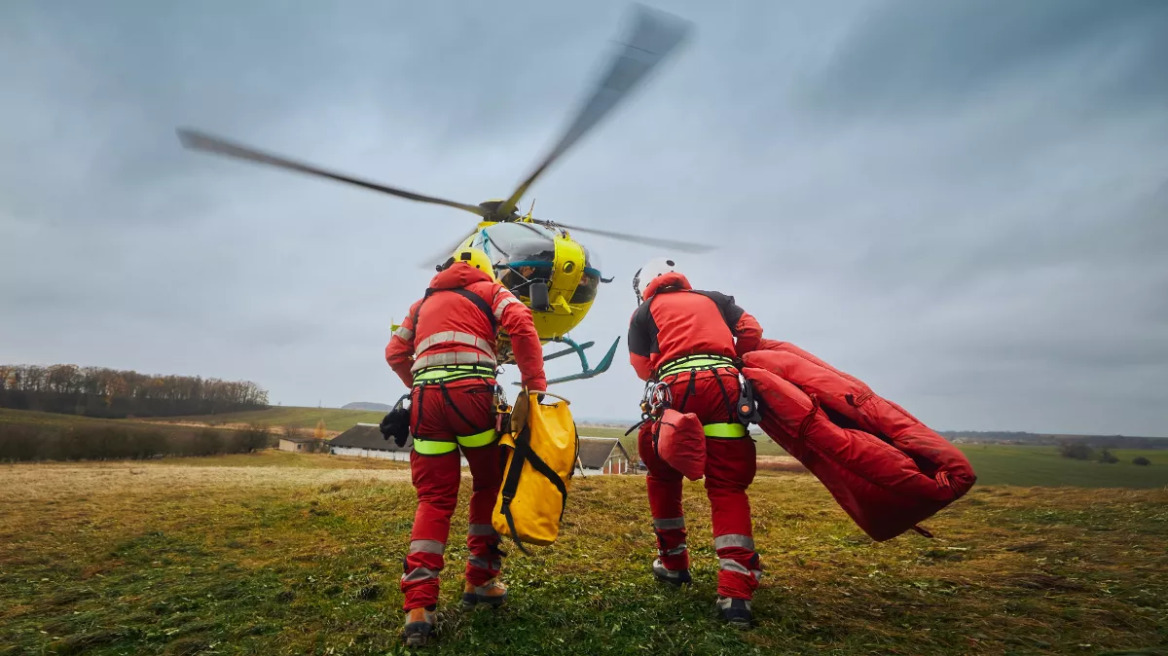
[(175, 559), (1040, 465), (335, 419), (52, 419)]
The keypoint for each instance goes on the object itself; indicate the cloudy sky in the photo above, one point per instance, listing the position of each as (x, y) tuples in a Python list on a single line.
[(964, 203)]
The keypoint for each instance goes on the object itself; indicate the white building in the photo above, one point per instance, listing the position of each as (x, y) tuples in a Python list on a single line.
[(603, 455), (366, 441)]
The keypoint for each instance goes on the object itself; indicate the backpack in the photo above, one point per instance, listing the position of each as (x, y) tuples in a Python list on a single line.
[(541, 449)]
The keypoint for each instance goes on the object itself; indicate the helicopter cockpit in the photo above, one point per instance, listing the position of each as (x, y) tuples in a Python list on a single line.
[(524, 255)]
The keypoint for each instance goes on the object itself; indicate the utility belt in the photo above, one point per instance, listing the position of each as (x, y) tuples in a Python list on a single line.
[(658, 395)]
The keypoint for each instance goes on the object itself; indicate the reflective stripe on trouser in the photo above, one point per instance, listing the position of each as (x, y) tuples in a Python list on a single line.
[(729, 471), (440, 447), (436, 479)]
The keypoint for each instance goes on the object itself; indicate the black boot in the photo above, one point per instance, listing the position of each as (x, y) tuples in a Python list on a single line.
[(676, 578), (735, 612)]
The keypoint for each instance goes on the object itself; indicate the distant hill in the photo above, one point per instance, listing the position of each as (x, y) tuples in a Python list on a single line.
[(1096, 441), (368, 407)]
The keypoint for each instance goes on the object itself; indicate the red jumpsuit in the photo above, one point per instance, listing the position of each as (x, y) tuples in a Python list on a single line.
[(687, 339), (445, 351)]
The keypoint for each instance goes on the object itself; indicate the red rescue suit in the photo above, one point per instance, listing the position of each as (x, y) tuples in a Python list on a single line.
[(688, 339), (445, 350)]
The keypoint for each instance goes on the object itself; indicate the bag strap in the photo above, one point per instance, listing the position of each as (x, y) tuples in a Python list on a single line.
[(525, 454)]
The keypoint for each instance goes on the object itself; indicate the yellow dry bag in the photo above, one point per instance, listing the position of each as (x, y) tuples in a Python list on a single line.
[(542, 447)]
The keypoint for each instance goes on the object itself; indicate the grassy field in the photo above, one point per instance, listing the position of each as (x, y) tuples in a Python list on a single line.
[(28, 417), (335, 419), (281, 553), (1041, 465)]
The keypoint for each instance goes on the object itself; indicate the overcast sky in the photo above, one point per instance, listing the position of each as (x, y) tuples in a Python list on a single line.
[(964, 203)]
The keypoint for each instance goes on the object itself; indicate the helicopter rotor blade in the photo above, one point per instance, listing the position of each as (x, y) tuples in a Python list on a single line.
[(654, 35), (685, 246), (195, 140), (438, 257)]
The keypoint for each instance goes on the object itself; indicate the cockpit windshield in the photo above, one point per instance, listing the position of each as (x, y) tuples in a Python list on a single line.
[(524, 253)]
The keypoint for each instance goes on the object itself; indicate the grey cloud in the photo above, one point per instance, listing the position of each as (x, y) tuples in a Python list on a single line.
[(975, 235), (917, 56)]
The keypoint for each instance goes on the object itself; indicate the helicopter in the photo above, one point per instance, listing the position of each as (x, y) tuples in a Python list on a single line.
[(538, 260)]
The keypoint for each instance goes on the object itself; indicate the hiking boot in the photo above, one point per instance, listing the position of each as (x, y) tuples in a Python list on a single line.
[(735, 612), (492, 593), (419, 625), (674, 577)]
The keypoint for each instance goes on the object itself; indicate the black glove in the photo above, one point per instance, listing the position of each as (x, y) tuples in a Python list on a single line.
[(396, 424)]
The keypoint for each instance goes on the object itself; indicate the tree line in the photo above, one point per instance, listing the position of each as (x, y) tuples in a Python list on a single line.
[(102, 392), (39, 442)]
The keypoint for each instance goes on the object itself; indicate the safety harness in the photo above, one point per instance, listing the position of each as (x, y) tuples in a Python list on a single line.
[(437, 370), (734, 427)]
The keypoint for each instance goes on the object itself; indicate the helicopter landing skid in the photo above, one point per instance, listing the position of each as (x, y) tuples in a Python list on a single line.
[(578, 349)]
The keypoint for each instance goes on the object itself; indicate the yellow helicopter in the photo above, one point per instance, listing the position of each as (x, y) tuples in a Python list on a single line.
[(538, 260)]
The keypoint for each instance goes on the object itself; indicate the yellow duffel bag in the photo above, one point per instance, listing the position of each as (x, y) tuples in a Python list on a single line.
[(541, 446)]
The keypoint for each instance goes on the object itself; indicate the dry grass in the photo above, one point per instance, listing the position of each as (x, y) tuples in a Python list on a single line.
[(50, 481), (302, 555)]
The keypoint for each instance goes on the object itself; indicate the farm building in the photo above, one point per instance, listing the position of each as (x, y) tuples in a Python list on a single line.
[(366, 441), (300, 444), (603, 455)]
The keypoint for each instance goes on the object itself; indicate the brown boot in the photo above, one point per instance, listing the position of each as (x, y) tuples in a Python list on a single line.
[(419, 625), (492, 593)]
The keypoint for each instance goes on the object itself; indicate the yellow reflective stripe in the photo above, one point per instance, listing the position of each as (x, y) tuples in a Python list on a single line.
[(724, 430), (433, 447), (674, 367), (478, 439)]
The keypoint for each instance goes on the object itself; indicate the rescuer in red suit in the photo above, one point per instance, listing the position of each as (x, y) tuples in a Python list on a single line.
[(445, 352), (689, 339)]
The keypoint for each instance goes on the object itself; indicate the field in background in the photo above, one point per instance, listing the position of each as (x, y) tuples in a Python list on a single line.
[(998, 464), (995, 464), (335, 419), (280, 553)]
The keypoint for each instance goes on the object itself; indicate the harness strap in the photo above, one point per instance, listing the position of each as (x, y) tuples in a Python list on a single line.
[(479, 302), (454, 406), (693, 364), (731, 409)]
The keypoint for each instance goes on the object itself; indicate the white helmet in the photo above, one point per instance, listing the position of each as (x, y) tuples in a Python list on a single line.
[(655, 267)]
